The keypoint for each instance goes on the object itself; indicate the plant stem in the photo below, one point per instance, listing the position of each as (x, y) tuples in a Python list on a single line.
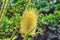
[(3, 10), (26, 37)]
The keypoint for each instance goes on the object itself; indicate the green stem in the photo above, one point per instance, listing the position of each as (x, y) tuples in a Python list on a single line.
[(3, 10), (26, 37)]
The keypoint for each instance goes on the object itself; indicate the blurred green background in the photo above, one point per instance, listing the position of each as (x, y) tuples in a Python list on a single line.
[(48, 22)]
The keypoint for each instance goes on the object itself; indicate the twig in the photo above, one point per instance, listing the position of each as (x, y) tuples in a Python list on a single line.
[(3, 10), (16, 25), (13, 34), (27, 5)]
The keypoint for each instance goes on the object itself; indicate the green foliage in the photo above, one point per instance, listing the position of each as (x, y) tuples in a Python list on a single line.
[(10, 24), (52, 21), (0, 4), (19, 6), (15, 11)]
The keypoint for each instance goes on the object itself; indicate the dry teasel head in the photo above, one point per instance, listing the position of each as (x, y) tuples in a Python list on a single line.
[(29, 22)]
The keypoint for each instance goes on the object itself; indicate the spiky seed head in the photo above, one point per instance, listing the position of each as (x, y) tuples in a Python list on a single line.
[(29, 22)]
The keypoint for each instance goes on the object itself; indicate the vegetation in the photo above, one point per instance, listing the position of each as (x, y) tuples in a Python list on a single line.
[(17, 23)]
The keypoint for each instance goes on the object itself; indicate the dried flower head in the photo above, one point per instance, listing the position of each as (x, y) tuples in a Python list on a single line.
[(29, 22)]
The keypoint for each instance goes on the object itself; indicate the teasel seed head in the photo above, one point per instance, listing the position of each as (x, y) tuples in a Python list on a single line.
[(29, 22)]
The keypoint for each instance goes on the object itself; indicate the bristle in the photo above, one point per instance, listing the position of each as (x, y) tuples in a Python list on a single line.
[(29, 22)]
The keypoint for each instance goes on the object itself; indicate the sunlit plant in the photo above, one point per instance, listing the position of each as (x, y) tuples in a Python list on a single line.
[(28, 23)]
